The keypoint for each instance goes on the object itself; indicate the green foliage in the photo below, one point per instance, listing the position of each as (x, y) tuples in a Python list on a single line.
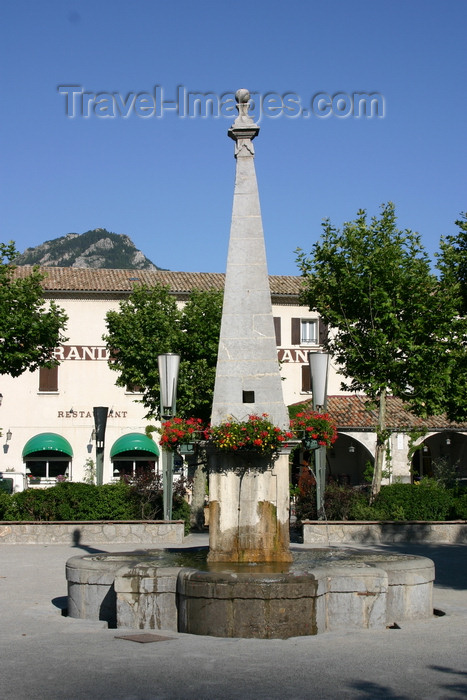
[(444, 473), (145, 326), (257, 434), (391, 319), (30, 329), (71, 501), (339, 502), (459, 509), (452, 263), (121, 254), (425, 500), (90, 471), (373, 284), (198, 344), (150, 323), (148, 490), (5, 501)]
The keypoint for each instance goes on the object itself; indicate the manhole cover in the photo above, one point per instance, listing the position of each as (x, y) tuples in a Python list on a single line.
[(144, 638)]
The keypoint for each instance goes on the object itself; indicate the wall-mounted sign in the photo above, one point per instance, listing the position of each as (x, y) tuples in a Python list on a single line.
[(89, 414), (293, 355), (81, 352)]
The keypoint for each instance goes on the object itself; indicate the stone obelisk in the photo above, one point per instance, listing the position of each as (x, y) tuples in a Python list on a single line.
[(249, 494)]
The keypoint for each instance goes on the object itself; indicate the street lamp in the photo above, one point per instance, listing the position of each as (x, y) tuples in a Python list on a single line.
[(100, 422), (168, 364), (319, 363)]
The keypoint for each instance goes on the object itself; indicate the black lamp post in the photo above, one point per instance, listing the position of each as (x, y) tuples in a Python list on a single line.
[(168, 364), (100, 422), (319, 363)]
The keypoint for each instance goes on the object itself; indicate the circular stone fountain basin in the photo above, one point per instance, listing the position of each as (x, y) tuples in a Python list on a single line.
[(322, 589)]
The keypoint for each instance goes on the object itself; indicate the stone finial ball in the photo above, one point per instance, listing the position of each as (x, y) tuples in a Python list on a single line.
[(242, 95)]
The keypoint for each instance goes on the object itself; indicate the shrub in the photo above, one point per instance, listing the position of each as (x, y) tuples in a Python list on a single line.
[(149, 498), (459, 508), (73, 501), (340, 502), (423, 501), (5, 500)]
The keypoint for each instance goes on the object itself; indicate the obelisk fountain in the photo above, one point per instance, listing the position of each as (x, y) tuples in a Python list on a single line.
[(249, 499), (248, 493)]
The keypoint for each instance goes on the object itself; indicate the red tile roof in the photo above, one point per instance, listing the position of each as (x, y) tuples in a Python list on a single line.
[(74, 279), (352, 412)]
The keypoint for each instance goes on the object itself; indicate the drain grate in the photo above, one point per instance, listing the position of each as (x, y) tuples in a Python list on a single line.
[(144, 638)]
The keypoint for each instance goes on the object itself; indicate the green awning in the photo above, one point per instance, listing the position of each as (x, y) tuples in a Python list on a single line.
[(134, 442), (47, 442)]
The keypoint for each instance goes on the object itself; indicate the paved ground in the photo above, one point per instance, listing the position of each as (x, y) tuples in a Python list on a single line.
[(46, 655)]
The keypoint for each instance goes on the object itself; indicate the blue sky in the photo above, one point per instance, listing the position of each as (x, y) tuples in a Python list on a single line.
[(167, 181)]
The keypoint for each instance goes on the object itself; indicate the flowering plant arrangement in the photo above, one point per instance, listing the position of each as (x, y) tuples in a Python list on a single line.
[(257, 434), (315, 426), (179, 431)]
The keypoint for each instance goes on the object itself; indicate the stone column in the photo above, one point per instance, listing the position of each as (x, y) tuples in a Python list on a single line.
[(249, 496)]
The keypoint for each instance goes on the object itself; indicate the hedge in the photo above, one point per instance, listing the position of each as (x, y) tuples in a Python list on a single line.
[(426, 500), (76, 501)]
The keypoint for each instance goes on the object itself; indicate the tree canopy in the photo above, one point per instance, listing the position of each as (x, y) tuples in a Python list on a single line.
[(452, 264), (30, 328), (390, 320), (149, 323)]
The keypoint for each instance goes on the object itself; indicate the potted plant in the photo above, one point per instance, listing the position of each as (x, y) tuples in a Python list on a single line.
[(257, 434), (317, 429), (181, 434)]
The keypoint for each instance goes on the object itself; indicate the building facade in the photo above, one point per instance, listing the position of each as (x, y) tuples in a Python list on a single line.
[(47, 420)]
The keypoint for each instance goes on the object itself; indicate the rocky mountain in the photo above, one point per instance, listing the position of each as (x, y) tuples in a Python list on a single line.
[(95, 249)]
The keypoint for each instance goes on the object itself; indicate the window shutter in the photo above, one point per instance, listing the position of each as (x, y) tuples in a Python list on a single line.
[(295, 331), (322, 332), (48, 378), (306, 378), (277, 329)]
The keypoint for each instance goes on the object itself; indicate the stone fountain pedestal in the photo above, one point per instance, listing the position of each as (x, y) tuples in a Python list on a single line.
[(350, 590), (249, 507)]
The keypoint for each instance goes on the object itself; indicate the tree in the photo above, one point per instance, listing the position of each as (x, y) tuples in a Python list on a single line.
[(199, 342), (150, 323), (30, 329), (373, 285), (452, 264)]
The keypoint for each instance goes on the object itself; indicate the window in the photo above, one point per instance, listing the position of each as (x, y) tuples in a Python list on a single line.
[(308, 332), (304, 331), (134, 389), (133, 467), (47, 468), (48, 378)]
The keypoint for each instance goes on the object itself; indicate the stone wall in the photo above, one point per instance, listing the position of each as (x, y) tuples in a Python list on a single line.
[(354, 532), (93, 532)]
